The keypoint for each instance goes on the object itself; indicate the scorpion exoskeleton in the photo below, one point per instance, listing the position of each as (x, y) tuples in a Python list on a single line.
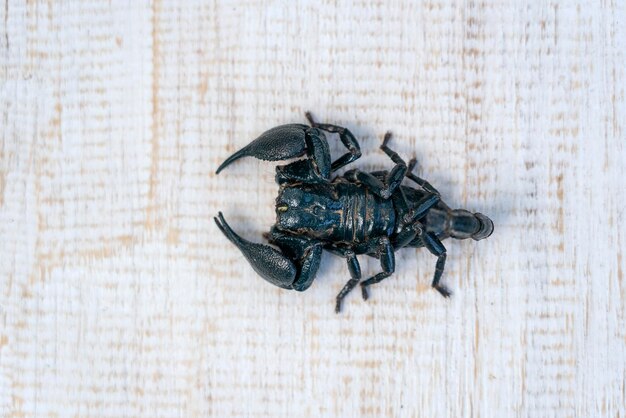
[(357, 213)]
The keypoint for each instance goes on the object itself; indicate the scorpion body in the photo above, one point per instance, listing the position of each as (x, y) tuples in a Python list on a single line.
[(370, 213)]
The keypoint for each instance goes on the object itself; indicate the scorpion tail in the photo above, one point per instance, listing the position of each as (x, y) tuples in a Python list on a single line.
[(464, 224), (486, 227)]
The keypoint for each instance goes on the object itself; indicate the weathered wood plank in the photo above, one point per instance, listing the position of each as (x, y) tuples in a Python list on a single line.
[(119, 297)]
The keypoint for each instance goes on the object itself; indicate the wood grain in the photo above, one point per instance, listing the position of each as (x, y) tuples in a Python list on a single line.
[(119, 297)]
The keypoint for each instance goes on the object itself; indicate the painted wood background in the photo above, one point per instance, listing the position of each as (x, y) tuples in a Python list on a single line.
[(119, 296)]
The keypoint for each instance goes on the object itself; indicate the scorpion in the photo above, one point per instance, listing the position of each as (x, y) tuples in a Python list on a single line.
[(357, 213)]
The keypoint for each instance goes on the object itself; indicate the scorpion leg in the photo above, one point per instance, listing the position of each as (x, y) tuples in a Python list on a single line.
[(386, 186), (420, 181), (406, 235), (407, 228), (428, 201), (391, 153), (423, 206), (347, 139), (274, 266), (396, 175), (382, 188), (355, 274), (400, 201), (435, 246), (387, 262)]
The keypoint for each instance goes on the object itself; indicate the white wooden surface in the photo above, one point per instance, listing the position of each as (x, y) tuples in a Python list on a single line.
[(119, 297)]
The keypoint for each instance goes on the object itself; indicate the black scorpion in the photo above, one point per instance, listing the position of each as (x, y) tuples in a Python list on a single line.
[(358, 213)]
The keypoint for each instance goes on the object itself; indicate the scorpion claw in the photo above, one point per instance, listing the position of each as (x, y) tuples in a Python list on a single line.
[(280, 143), (265, 260)]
